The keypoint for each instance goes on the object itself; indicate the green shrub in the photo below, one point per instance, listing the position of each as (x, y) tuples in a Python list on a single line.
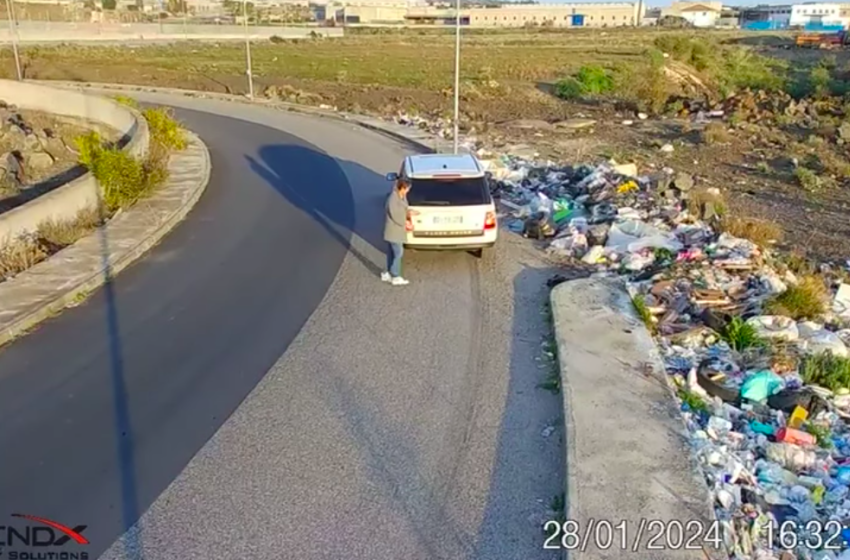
[(741, 335), (827, 370), (123, 178), (819, 81), (589, 80), (164, 130), (808, 179), (595, 79), (569, 89)]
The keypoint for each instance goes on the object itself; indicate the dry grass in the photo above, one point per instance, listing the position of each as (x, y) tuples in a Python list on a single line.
[(63, 234), (804, 300), (52, 236), (716, 133), (762, 232)]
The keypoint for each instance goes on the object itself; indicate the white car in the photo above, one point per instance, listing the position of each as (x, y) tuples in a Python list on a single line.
[(449, 203)]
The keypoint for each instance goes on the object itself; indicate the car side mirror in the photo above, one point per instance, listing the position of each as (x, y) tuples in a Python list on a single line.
[(392, 176)]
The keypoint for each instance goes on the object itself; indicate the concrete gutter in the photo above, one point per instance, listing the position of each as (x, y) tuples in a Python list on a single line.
[(64, 202), (626, 452), (65, 278)]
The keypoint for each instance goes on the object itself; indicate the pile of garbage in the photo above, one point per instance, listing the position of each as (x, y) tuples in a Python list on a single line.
[(766, 398)]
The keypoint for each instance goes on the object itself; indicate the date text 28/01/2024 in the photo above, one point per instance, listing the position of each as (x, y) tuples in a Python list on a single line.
[(646, 534), (656, 534)]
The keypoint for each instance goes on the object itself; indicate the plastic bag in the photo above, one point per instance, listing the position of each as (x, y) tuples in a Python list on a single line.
[(775, 326), (761, 385)]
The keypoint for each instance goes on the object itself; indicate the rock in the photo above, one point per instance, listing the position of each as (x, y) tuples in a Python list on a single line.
[(844, 131), (31, 143), (626, 169), (575, 124), (529, 124), (11, 166), (597, 234), (15, 135), (667, 148), (642, 116), (39, 160), (683, 181), (54, 146), (628, 123)]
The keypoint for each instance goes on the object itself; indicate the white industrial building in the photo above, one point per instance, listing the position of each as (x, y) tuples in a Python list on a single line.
[(807, 14)]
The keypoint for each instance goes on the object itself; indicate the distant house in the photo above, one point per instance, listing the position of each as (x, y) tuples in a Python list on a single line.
[(698, 14)]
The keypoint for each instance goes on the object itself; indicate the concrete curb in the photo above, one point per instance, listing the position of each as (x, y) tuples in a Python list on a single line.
[(613, 382), (134, 233)]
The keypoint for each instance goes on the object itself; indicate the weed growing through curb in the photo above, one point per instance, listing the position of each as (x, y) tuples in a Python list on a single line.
[(639, 303), (552, 382), (557, 507), (126, 101)]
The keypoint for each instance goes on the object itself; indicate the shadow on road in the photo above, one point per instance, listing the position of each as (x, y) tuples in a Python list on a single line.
[(330, 201), (525, 460)]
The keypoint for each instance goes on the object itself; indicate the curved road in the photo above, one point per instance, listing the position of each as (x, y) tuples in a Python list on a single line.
[(251, 390)]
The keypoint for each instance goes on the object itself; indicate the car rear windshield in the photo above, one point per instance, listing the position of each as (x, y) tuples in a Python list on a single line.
[(448, 192)]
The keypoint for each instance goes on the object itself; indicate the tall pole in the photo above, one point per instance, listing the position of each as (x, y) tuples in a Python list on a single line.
[(457, 74), (13, 32), (248, 49)]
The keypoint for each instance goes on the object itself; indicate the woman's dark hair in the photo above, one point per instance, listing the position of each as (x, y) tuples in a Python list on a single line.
[(401, 184)]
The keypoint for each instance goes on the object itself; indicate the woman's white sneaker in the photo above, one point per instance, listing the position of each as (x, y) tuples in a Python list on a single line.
[(385, 277), (399, 281)]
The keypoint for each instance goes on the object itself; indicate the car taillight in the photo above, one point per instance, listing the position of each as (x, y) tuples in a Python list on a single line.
[(408, 223), (490, 220)]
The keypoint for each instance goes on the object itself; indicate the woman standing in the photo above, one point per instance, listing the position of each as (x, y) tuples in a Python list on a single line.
[(395, 233)]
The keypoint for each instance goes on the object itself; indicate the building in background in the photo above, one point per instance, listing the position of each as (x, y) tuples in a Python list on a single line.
[(698, 14), (766, 17), (816, 15)]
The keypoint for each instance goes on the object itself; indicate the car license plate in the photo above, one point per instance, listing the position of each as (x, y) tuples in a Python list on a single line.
[(448, 220)]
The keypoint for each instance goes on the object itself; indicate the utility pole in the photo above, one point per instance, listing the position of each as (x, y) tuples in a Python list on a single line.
[(13, 31), (457, 75), (248, 49)]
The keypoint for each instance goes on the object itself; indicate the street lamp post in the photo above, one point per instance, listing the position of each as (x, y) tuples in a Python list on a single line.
[(457, 74), (14, 38), (247, 49)]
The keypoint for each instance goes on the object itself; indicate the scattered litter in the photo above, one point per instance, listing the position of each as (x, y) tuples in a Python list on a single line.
[(765, 397)]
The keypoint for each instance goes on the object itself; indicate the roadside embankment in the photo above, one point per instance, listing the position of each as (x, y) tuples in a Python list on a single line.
[(65, 202), (104, 229)]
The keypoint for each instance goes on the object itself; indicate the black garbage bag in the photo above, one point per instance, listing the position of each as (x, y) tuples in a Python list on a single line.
[(537, 226)]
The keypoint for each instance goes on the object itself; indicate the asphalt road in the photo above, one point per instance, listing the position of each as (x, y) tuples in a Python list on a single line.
[(251, 390)]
